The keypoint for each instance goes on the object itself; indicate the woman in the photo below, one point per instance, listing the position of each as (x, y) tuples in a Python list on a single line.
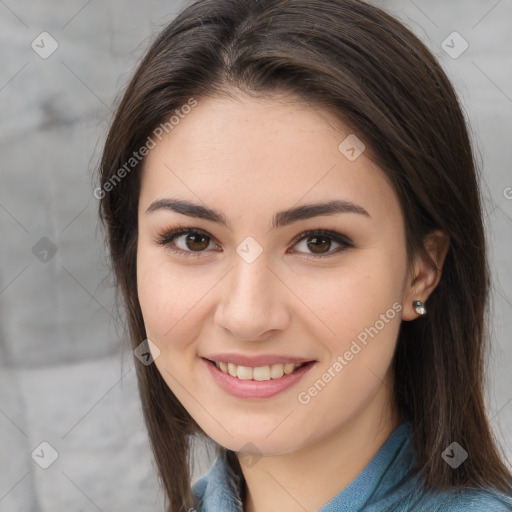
[(285, 188)]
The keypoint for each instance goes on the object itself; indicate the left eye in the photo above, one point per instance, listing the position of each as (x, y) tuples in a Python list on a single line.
[(320, 241), (193, 242)]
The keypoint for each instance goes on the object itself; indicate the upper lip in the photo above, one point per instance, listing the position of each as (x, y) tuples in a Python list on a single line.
[(255, 361)]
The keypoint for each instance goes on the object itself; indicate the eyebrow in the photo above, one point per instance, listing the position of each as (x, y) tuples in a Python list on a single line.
[(281, 218)]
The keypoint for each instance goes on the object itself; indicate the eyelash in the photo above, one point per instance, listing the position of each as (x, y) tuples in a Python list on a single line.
[(167, 237)]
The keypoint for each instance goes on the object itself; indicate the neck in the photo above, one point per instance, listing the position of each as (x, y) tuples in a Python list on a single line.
[(310, 477)]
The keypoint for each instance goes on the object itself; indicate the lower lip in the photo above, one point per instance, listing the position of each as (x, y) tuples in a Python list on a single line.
[(253, 388)]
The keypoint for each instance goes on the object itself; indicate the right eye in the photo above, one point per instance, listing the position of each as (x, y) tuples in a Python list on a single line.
[(191, 241)]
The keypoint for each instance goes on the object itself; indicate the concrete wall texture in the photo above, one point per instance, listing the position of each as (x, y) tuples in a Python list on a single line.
[(66, 376)]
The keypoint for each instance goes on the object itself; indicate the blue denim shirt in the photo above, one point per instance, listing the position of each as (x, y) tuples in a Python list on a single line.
[(384, 485)]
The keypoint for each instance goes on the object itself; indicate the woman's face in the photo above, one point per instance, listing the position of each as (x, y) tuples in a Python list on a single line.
[(247, 287)]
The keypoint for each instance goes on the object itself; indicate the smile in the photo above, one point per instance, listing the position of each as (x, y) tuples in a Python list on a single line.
[(259, 373), (256, 381)]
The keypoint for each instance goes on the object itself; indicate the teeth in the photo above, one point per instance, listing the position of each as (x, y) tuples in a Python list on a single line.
[(260, 373), (288, 368), (276, 371), (244, 372)]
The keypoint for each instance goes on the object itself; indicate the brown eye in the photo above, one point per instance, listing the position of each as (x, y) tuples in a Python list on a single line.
[(185, 242), (193, 242), (319, 244), (197, 241)]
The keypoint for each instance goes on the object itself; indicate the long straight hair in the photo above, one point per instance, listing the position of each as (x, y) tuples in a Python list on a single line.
[(366, 67)]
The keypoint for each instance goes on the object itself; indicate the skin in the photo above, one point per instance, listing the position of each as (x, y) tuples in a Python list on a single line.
[(250, 158)]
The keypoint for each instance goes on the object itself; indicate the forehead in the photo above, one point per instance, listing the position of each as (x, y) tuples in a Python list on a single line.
[(252, 153)]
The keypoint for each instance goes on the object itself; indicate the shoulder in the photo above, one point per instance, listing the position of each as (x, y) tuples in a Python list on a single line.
[(473, 500), (467, 500)]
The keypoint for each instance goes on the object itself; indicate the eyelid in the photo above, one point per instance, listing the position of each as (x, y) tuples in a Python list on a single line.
[(337, 237), (169, 235)]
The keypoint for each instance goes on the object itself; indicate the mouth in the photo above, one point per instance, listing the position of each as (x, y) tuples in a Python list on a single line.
[(257, 382), (257, 373)]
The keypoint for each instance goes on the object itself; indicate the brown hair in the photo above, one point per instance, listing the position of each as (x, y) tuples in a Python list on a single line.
[(366, 67)]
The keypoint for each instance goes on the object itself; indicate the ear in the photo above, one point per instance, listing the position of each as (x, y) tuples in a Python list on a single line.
[(426, 272)]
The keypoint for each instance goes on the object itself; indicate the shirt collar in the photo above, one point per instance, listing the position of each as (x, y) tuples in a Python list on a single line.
[(388, 467), (381, 477)]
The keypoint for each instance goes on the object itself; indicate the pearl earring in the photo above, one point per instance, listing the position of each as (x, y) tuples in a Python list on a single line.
[(419, 307)]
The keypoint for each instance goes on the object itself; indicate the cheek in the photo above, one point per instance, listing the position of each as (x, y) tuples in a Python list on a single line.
[(171, 297), (361, 303), (354, 295)]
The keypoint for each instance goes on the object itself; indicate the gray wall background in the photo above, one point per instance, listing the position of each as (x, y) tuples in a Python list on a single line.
[(65, 378)]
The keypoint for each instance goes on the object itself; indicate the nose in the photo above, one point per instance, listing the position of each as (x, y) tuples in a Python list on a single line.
[(253, 303)]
